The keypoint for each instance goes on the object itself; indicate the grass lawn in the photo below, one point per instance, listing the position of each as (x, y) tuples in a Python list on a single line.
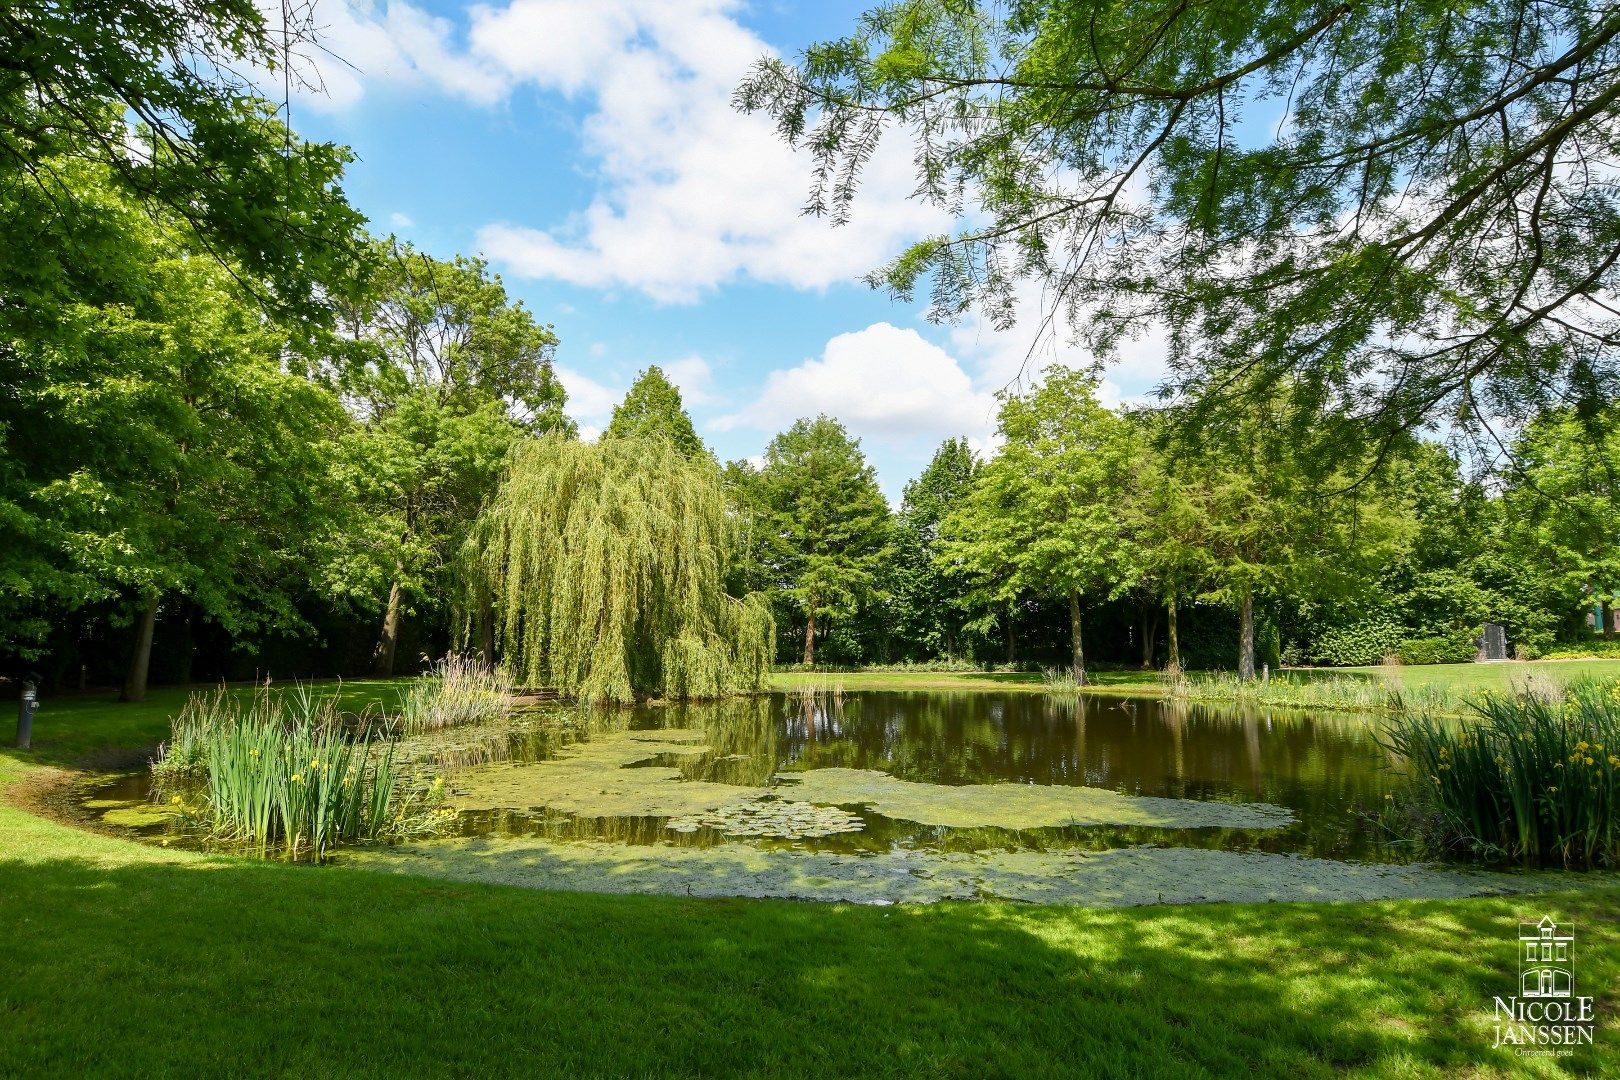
[(1458, 680), (124, 959), (1113, 682), (1466, 679)]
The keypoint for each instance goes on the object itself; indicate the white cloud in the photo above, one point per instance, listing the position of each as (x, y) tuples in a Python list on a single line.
[(695, 379), (361, 44), (589, 401), (401, 221), (690, 194), (884, 383), (1014, 358)]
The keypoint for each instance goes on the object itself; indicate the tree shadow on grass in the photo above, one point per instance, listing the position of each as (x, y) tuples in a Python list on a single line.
[(232, 967)]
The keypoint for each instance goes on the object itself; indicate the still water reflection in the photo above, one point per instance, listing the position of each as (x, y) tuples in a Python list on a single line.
[(1325, 767)]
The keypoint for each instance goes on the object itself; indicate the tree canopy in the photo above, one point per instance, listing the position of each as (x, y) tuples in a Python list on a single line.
[(1046, 514), (826, 522), (653, 408), (606, 565), (1393, 214)]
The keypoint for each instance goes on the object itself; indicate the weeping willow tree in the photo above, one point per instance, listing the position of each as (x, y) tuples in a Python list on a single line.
[(600, 568)]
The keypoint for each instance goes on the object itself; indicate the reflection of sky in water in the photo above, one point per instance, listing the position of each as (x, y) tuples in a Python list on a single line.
[(1324, 767)]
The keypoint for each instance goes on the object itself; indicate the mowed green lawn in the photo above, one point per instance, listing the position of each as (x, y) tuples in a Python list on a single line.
[(1459, 680), (120, 959)]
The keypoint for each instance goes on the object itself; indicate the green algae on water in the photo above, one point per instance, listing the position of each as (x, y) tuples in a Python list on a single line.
[(1124, 877), (1020, 806)]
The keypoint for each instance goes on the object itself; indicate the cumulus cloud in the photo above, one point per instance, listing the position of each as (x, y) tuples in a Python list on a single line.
[(589, 402), (690, 196), (1015, 357), (361, 44), (885, 383)]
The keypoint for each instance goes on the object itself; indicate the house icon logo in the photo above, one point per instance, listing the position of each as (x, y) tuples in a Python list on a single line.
[(1544, 960)]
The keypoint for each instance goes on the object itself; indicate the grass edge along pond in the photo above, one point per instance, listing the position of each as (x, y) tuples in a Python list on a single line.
[(124, 958)]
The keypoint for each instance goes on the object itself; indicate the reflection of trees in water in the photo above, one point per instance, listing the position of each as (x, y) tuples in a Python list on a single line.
[(1320, 765)]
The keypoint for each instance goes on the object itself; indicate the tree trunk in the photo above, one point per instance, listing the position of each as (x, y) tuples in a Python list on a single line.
[(1079, 658), (141, 661), (1009, 635), (486, 631), (1607, 610), (1150, 630), (1174, 660), (810, 638), (1246, 638), (383, 658)]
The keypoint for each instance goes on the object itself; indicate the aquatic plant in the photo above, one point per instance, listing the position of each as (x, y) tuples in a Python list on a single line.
[(284, 771), (1059, 680), (1530, 778), (602, 567), (454, 692)]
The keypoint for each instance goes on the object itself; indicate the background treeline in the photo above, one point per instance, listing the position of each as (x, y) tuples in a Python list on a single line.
[(243, 436), (1114, 536)]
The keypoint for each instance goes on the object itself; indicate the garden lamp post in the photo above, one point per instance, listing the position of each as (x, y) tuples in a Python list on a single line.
[(26, 704)]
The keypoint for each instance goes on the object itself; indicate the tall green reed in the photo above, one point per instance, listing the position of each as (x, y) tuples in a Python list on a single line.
[(1533, 777), (287, 771)]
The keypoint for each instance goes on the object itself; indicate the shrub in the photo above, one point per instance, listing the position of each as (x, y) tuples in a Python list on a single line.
[(1534, 778), (1358, 644), (1455, 649), (1595, 648)]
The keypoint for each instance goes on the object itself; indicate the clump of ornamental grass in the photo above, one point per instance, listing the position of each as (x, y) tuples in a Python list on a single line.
[(456, 691), (1056, 680), (284, 772), (1531, 778)]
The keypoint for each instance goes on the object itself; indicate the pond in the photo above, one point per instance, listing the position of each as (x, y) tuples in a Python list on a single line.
[(781, 794)]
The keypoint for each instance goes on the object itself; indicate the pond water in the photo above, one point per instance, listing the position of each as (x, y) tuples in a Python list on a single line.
[(866, 773)]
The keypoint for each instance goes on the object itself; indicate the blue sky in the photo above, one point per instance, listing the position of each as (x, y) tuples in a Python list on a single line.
[(587, 148)]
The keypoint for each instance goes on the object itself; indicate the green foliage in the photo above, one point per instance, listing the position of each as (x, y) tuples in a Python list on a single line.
[(1358, 644), (155, 101), (1457, 649), (605, 565), (156, 444), (455, 372), (1534, 778), (1044, 516), (824, 524), (280, 772), (652, 409), (1123, 157), (935, 613), (1592, 647)]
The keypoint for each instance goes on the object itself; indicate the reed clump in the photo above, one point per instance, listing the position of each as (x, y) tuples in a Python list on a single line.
[(1057, 680), (1338, 692), (288, 772), (1530, 778), (455, 692)]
